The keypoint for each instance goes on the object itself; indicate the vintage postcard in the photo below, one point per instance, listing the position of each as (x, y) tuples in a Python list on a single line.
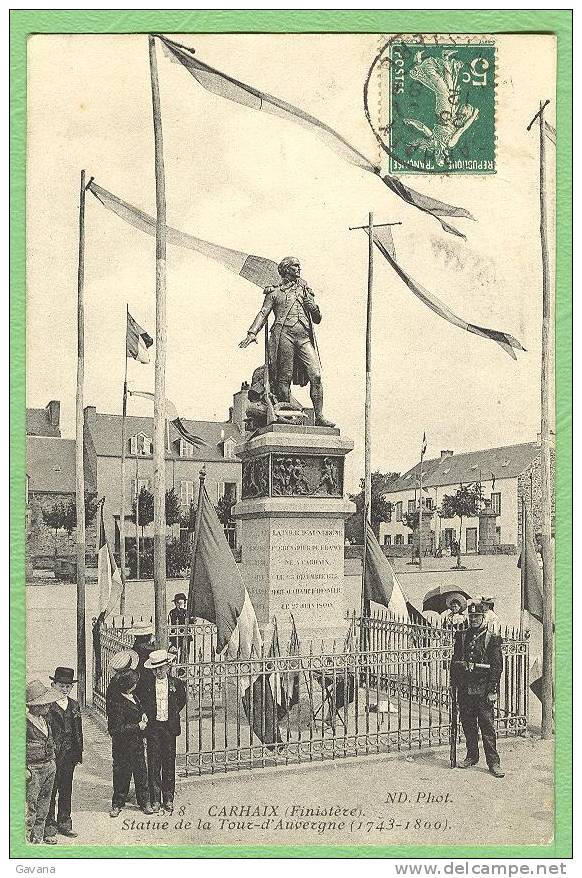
[(290, 570)]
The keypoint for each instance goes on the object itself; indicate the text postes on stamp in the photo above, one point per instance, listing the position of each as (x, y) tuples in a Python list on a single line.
[(441, 108)]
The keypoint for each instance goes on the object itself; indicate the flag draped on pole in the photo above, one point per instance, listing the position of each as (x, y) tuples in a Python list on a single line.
[(381, 584), (423, 450), (284, 684), (256, 269), (172, 416), (218, 594), (108, 574), (234, 90), (137, 341), (385, 244), (531, 574)]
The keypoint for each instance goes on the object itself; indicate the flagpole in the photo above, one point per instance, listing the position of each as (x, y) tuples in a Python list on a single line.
[(137, 547), (524, 614), (159, 455), (79, 470), (123, 452), (546, 486), (420, 507), (367, 415)]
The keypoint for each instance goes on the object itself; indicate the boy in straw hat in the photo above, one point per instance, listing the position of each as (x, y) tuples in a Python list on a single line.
[(40, 760), (162, 697), (125, 660)]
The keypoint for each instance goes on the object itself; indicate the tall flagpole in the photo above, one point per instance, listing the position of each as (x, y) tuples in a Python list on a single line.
[(546, 479), (420, 507), (123, 453), (161, 615), (79, 470)]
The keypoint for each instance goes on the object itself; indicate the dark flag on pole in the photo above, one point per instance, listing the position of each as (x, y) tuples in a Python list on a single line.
[(173, 417), (234, 90), (137, 341), (531, 574), (385, 244)]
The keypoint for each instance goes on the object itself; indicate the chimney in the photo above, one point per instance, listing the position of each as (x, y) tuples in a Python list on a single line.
[(90, 413), (239, 406), (53, 411), (446, 453)]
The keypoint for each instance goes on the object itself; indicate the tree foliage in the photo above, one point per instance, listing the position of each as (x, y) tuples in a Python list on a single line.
[(144, 509), (173, 508), (380, 507)]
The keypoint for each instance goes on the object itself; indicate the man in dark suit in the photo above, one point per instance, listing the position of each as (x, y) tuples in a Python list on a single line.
[(162, 698), (476, 669), (126, 723), (65, 721)]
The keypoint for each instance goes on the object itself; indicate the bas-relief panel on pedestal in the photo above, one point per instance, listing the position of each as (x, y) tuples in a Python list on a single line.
[(293, 475)]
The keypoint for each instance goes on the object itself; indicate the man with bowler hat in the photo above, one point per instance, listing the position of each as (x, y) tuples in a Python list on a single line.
[(65, 720), (476, 668), (162, 698), (40, 761)]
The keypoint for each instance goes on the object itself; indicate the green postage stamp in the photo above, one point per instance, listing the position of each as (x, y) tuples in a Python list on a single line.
[(441, 110), (291, 453)]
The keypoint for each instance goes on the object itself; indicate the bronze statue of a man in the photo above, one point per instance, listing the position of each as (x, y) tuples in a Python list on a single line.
[(292, 352)]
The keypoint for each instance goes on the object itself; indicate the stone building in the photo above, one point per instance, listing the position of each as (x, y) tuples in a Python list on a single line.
[(506, 475)]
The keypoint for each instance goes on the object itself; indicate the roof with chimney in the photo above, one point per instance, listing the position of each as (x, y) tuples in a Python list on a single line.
[(38, 423), (506, 462), (105, 430), (50, 465)]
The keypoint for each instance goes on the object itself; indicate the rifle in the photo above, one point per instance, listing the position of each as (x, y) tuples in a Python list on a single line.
[(271, 416), (454, 726)]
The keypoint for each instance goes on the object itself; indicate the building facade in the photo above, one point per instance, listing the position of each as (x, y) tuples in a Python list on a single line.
[(505, 474)]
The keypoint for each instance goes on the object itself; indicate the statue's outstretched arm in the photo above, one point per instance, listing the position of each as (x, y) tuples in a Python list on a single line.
[(259, 321)]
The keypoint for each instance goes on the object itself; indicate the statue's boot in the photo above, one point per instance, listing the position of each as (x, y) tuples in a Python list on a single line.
[(317, 400)]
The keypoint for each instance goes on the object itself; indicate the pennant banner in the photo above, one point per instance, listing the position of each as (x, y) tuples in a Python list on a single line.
[(173, 417), (385, 244), (232, 89), (256, 269)]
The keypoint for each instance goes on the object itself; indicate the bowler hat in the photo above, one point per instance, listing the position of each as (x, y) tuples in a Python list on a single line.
[(476, 609), (125, 660), (64, 675), (37, 694), (158, 658), (180, 597)]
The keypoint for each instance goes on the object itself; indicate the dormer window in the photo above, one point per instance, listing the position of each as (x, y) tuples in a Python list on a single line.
[(140, 445), (229, 446), (186, 449)]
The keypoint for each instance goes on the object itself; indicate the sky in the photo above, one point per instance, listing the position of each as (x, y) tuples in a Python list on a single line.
[(260, 184)]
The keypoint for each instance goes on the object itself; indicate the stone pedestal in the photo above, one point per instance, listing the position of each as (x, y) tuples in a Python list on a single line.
[(291, 527)]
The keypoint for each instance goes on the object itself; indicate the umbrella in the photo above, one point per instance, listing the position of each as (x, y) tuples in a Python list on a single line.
[(438, 599)]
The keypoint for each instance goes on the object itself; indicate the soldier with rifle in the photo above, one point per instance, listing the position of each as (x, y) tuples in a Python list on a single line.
[(476, 669)]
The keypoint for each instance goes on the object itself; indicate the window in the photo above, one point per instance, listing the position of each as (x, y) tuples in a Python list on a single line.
[(399, 511), (140, 445), (387, 540), (411, 506), (228, 489), (186, 494), (186, 449), (409, 539), (496, 503), (398, 540), (428, 503), (137, 486), (229, 445), (389, 514)]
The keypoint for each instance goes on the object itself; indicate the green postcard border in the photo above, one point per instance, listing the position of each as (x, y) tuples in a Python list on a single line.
[(558, 22)]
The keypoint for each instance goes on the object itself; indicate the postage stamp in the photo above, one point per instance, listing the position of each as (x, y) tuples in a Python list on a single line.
[(441, 107)]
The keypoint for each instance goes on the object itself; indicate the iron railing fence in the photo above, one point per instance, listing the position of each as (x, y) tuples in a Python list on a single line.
[(307, 706)]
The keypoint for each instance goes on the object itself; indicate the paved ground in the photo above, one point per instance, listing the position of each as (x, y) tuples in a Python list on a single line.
[(397, 799)]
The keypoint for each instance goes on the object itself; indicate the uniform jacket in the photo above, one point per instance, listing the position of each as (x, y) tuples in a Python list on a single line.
[(176, 701), (474, 648), (56, 719), (280, 300), (39, 747), (123, 717)]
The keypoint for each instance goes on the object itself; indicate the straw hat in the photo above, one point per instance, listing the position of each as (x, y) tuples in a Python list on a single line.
[(125, 660), (37, 693), (455, 596), (158, 658), (141, 627)]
